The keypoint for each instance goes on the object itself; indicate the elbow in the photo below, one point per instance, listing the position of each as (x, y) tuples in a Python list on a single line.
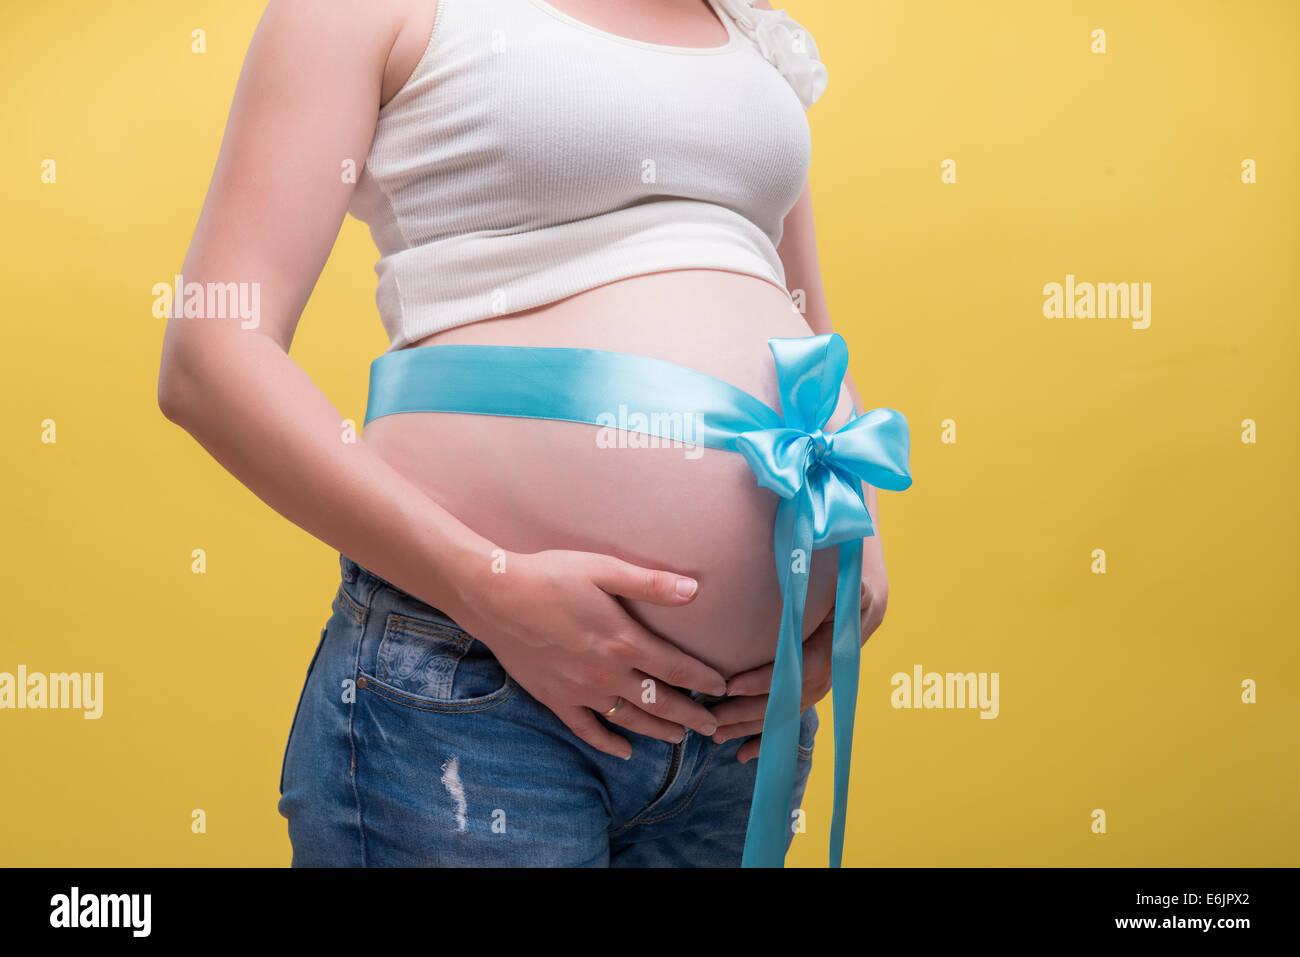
[(169, 402), (197, 374), (176, 387)]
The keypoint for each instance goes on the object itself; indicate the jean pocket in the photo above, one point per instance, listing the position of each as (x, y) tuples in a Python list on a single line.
[(427, 662)]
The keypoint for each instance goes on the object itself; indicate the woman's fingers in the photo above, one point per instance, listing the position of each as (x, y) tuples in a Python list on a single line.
[(815, 647), (618, 577), (665, 702), (740, 717), (749, 749), (583, 723), (737, 710), (649, 653), (642, 722), (740, 729), (816, 667), (756, 681)]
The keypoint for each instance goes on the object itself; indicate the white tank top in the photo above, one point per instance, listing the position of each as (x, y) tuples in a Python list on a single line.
[(531, 156)]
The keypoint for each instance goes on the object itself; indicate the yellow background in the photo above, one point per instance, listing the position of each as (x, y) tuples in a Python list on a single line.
[(1118, 691)]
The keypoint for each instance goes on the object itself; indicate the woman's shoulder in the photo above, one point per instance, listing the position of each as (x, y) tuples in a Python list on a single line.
[(414, 20), (383, 38)]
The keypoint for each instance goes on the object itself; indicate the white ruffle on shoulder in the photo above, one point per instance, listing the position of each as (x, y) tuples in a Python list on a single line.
[(785, 43)]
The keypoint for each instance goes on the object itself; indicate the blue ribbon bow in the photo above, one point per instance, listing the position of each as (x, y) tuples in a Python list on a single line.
[(817, 476)]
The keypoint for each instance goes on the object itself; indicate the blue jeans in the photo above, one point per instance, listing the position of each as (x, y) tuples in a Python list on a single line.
[(412, 747)]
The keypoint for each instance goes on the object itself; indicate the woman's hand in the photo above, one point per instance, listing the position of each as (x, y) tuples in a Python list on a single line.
[(741, 716), (552, 619)]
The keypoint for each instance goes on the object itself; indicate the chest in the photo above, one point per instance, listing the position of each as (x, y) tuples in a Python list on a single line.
[(515, 111)]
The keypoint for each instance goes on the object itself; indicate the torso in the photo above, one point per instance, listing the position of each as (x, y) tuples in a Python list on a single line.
[(530, 485)]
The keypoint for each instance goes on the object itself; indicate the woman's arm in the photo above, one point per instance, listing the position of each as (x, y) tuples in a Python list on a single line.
[(305, 105)]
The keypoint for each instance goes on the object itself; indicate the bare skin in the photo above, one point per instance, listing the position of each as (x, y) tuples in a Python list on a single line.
[(595, 540), (534, 484)]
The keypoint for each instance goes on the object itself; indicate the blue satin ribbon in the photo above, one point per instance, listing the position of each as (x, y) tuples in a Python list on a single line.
[(818, 477)]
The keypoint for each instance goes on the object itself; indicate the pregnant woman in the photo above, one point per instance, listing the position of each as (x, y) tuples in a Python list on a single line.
[(613, 395)]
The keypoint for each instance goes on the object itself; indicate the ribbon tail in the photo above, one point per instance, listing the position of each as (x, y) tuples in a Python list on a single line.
[(846, 653), (769, 829)]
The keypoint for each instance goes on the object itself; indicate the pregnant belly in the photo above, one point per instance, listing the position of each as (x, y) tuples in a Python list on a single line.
[(535, 484)]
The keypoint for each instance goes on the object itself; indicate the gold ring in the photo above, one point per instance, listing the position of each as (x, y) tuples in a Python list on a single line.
[(617, 705)]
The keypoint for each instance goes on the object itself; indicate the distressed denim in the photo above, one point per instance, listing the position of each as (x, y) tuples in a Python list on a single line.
[(412, 747)]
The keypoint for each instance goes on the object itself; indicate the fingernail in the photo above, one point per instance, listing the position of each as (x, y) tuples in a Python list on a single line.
[(686, 587), (722, 690), (625, 755), (731, 689), (708, 729), (719, 739)]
